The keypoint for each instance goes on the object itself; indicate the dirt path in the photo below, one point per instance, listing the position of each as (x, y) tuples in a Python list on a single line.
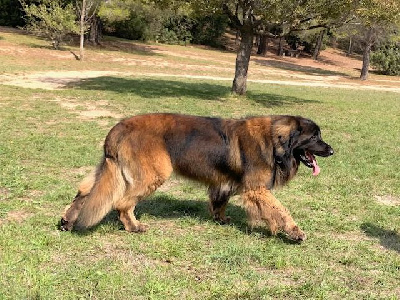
[(333, 69), (60, 79)]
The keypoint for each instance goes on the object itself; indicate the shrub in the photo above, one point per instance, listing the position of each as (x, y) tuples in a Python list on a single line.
[(208, 30), (52, 20), (387, 59)]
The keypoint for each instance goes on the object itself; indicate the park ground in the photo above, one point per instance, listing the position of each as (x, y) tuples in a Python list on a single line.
[(55, 112)]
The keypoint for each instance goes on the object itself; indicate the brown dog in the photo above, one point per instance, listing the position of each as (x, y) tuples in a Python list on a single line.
[(248, 156)]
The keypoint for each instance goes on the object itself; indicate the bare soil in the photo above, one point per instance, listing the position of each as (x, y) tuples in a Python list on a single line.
[(333, 69)]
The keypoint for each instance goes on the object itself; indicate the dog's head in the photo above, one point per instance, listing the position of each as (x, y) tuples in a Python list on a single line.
[(298, 140), (309, 144)]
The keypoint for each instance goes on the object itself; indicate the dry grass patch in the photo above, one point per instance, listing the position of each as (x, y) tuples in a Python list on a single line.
[(99, 110), (388, 200), (16, 216), (4, 193)]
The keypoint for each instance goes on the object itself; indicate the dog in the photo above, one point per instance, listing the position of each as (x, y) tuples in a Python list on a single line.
[(249, 156)]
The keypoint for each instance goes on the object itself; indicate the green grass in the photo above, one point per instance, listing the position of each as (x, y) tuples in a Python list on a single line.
[(353, 246)]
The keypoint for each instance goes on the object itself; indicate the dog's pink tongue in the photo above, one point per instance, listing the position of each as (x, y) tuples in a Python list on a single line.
[(316, 168)]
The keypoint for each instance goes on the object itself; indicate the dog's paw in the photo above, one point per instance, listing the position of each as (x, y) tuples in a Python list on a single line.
[(138, 228), (222, 221)]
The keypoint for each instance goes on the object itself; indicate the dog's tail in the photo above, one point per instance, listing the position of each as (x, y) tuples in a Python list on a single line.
[(101, 191)]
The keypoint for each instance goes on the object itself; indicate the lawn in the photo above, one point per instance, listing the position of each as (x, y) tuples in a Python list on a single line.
[(50, 139)]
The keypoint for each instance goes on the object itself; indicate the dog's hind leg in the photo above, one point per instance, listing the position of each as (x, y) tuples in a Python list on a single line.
[(127, 204), (142, 180), (219, 197), (125, 208), (261, 204)]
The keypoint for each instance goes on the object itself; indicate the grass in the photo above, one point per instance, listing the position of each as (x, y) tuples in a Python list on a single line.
[(353, 249)]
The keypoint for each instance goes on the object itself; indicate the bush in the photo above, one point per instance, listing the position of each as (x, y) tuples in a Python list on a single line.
[(52, 20), (387, 59), (208, 30)]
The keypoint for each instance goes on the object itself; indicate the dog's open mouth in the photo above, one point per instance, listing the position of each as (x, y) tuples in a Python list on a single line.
[(309, 160)]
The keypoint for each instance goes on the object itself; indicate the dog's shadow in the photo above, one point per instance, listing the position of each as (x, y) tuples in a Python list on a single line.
[(389, 239), (163, 206)]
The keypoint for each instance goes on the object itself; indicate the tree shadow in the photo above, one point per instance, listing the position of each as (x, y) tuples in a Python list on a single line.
[(150, 88), (388, 238), (273, 100), (162, 206), (153, 88), (127, 47), (298, 68)]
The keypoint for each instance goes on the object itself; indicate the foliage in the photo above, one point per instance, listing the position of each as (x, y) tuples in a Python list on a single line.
[(142, 20), (387, 59), (209, 29), (51, 19), (375, 16), (10, 13), (372, 12)]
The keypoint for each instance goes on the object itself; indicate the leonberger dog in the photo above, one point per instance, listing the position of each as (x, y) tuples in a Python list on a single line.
[(249, 156)]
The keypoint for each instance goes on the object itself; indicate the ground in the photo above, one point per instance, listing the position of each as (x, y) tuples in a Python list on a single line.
[(52, 135), (333, 69)]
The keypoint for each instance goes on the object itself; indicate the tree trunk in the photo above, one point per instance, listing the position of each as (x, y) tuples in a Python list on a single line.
[(318, 45), (262, 46), (280, 47), (95, 30), (82, 33), (366, 54), (242, 60), (237, 37), (350, 49)]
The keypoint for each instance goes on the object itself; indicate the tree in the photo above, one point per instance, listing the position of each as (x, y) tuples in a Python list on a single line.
[(275, 18), (51, 19), (375, 16), (318, 44), (246, 23), (82, 29), (86, 12)]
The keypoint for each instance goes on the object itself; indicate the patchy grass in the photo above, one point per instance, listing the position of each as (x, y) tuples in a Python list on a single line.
[(48, 143)]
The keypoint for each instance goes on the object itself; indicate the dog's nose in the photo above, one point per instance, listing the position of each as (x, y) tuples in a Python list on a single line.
[(331, 151)]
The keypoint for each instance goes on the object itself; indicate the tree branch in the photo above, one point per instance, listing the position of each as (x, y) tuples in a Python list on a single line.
[(233, 17)]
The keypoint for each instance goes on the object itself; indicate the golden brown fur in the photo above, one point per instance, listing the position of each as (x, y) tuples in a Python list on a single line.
[(248, 156)]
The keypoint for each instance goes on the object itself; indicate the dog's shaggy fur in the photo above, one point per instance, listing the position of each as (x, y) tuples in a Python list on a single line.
[(248, 156)]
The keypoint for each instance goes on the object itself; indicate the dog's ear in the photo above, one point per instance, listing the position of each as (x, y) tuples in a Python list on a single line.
[(289, 140), (294, 137), (284, 146), (288, 131)]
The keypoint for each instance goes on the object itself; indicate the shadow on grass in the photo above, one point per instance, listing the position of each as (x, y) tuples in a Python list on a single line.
[(297, 68), (114, 44), (388, 238), (271, 100), (150, 88), (153, 88), (165, 207)]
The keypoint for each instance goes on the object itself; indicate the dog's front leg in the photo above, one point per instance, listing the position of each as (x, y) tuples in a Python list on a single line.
[(261, 204)]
